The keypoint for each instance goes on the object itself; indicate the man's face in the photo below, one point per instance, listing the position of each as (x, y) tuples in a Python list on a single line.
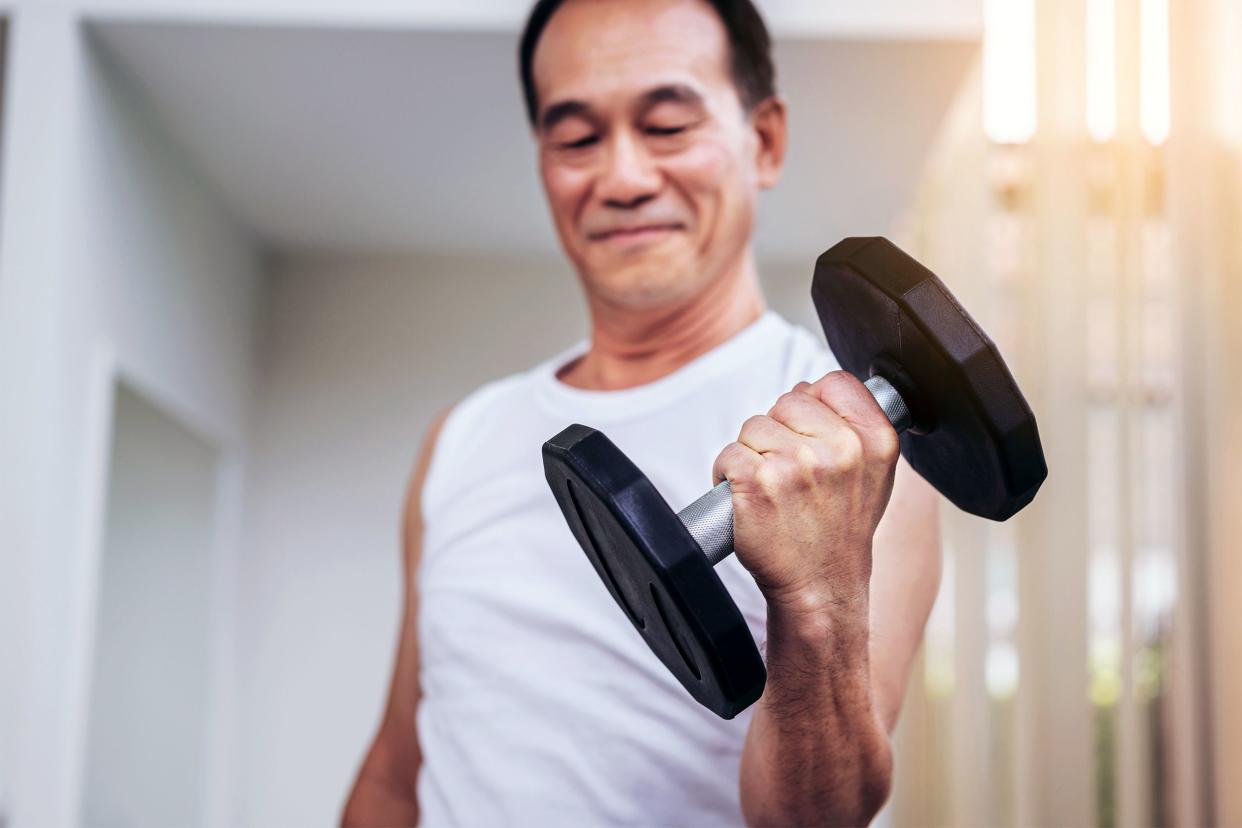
[(649, 162)]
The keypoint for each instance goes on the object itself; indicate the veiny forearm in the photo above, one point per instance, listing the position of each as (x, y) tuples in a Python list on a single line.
[(816, 752)]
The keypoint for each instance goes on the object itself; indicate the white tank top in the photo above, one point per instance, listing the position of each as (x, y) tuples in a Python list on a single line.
[(541, 703)]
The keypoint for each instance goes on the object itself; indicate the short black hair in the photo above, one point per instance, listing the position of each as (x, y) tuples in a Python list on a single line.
[(750, 50)]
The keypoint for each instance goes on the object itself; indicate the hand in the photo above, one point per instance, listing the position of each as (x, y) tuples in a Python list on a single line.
[(810, 482)]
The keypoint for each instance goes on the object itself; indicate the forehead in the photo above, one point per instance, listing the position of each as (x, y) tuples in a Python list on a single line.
[(596, 50)]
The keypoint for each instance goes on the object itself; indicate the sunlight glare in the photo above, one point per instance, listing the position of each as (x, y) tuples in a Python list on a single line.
[(1102, 70), (1009, 70), (1154, 70)]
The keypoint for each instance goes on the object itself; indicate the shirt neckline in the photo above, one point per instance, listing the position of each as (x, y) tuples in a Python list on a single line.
[(628, 403)]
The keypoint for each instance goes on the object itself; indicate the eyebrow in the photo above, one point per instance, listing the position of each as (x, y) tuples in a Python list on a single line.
[(558, 112), (668, 93)]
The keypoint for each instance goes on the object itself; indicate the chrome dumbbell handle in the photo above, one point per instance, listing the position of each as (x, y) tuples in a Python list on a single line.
[(710, 518)]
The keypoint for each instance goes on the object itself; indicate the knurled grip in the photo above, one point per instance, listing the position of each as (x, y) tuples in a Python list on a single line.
[(890, 402), (710, 518), (710, 521)]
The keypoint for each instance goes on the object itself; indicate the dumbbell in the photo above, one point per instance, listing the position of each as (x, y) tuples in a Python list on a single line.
[(964, 426)]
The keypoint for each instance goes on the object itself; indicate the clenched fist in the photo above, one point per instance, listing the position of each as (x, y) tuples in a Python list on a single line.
[(810, 481)]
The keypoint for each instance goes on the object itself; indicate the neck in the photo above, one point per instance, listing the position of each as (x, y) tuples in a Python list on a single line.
[(635, 346)]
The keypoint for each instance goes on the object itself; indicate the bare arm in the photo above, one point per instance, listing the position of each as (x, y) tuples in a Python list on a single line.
[(384, 792), (848, 595), (905, 578), (820, 734)]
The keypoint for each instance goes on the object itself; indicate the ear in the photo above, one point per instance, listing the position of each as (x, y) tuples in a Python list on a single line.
[(768, 121)]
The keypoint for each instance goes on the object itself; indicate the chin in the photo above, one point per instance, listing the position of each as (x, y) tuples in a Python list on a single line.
[(642, 287)]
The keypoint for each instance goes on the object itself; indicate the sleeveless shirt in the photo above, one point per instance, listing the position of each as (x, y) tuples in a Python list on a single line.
[(541, 704)]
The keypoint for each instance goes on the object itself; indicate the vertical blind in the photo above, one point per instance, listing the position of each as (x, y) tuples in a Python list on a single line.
[(1081, 665)]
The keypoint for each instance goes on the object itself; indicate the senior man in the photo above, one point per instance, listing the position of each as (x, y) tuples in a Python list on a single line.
[(520, 694)]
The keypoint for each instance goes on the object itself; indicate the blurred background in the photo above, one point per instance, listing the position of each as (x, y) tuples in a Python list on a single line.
[(248, 248)]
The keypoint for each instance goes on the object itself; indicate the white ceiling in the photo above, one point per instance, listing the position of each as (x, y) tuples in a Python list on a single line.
[(961, 19), (355, 139)]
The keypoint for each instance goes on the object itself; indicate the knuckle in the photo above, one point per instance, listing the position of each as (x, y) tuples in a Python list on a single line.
[(736, 462), (847, 451), (780, 409), (839, 382), (729, 455), (807, 457), (754, 423), (887, 445), (791, 399), (768, 479)]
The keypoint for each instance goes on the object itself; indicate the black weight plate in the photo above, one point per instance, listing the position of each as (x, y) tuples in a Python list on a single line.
[(974, 437), (654, 570)]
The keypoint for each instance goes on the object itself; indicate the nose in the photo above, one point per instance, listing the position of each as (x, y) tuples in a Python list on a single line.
[(629, 179)]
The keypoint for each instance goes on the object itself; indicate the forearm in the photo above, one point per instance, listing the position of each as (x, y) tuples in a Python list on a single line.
[(384, 793), (816, 752)]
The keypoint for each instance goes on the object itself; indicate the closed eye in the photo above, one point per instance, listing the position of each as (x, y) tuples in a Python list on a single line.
[(581, 143), (658, 131)]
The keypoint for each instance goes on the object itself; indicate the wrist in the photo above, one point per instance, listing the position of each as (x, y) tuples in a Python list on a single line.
[(836, 626), (816, 650), (823, 604)]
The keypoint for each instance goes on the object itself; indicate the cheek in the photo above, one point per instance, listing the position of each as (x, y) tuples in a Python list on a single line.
[(565, 188), (705, 170), (716, 182)]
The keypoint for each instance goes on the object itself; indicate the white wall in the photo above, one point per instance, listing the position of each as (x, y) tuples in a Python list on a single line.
[(115, 259), (146, 749), (360, 355), (358, 358)]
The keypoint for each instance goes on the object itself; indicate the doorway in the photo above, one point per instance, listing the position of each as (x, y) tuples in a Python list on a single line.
[(146, 748)]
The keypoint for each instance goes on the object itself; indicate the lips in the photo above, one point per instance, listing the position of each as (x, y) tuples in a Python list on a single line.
[(635, 232)]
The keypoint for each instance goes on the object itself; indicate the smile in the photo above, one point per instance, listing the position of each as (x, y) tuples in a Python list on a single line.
[(637, 233)]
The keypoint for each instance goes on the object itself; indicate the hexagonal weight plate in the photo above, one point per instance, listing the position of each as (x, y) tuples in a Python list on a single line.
[(654, 570), (974, 437)]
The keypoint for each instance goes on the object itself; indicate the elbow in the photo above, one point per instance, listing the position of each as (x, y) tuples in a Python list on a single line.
[(873, 786), (846, 799), (385, 791), (876, 783)]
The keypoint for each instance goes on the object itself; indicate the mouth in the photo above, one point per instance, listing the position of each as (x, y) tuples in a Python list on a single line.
[(636, 233)]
